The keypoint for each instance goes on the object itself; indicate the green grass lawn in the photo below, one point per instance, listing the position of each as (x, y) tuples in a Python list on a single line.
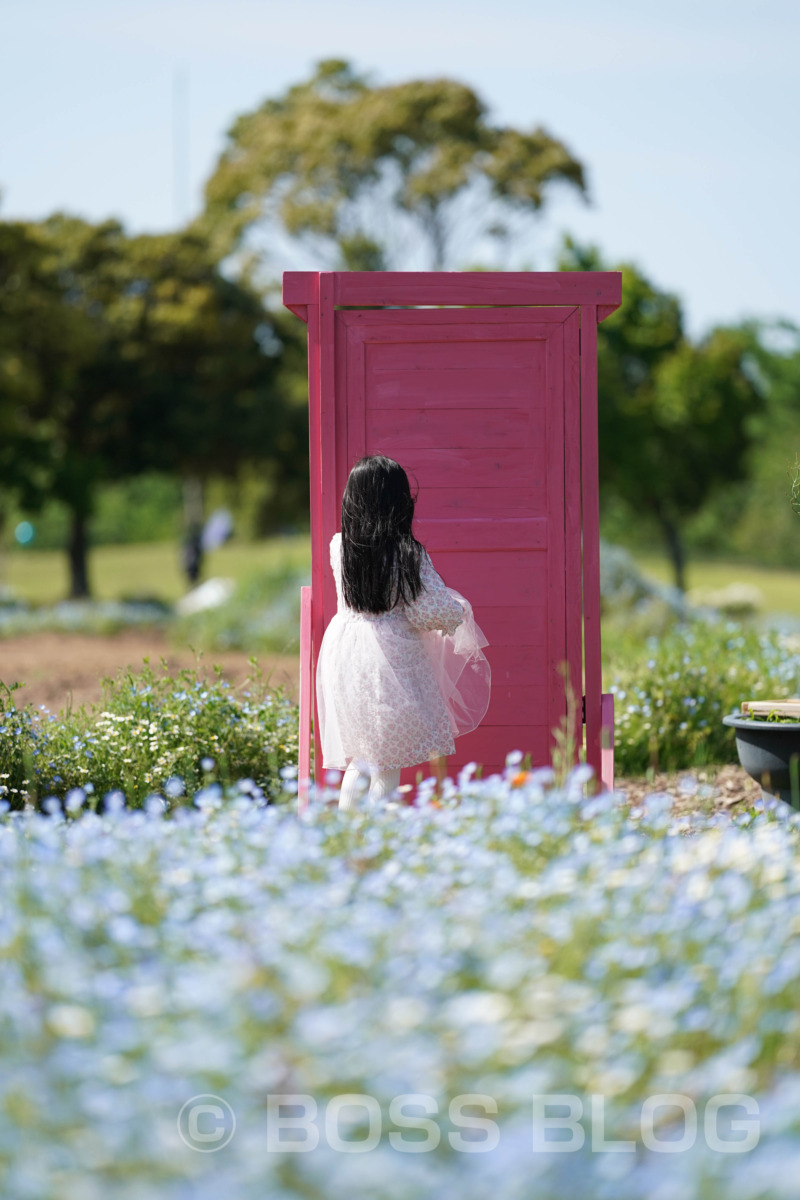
[(154, 569), (150, 569), (781, 588)]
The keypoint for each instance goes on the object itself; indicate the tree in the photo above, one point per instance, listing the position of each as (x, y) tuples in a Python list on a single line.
[(675, 419), (766, 529), (155, 361), (40, 342), (375, 177), (45, 343), (224, 378)]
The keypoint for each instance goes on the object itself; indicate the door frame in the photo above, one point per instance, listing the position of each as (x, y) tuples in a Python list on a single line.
[(315, 296)]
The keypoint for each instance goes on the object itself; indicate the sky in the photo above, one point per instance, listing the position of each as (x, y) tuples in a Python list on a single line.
[(685, 115)]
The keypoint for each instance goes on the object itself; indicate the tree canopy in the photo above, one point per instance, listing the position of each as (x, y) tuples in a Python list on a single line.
[(130, 354), (676, 420), (372, 177)]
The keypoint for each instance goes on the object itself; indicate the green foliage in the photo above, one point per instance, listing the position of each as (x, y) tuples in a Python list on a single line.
[(671, 694), (766, 528), (362, 172), (145, 508), (17, 732), (157, 362), (262, 615), (676, 420), (40, 339), (773, 718), (150, 734)]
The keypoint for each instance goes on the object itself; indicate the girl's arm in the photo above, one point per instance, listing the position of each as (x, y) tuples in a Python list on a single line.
[(435, 607)]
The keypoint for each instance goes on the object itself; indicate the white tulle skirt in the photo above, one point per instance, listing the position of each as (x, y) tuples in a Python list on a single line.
[(392, 696)]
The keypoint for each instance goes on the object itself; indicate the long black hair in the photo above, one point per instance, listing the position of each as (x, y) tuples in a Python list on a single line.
[(380, 555)]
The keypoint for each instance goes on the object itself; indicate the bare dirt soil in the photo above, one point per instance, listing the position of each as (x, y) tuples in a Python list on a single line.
[(712, 789), (58, 667)]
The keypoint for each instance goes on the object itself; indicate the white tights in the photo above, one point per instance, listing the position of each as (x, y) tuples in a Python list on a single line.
[(381, 784)]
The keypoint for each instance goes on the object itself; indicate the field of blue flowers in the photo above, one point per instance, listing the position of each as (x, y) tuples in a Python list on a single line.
[(509, 946)]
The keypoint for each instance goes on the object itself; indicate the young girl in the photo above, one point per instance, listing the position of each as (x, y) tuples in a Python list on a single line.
[(400, 671)]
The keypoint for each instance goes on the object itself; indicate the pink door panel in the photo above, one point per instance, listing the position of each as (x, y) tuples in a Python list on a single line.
[(472, 403)]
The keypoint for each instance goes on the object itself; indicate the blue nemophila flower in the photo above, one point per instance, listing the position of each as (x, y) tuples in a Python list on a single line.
[(209, 797), (74, 800), (114, 801)]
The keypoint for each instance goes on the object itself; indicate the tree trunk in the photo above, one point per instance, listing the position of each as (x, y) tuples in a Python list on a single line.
[(438, 236), (193, 502), (675, 549), (77, 550)]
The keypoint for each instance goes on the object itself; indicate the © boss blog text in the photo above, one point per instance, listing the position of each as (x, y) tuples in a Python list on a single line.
[(353, 1123)]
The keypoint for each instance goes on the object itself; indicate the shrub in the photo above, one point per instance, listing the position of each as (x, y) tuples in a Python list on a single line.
[(263, 614), (150, 734), (17, 732), (672, 692)]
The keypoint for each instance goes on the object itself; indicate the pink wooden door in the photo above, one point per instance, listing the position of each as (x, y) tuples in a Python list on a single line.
[(482, 408)]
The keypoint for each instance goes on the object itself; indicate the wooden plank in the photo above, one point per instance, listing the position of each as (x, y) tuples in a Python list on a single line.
[(465, 467), (305, 699), (510, 625), (517, 703), (329, 484), (783, 708), (433, 389), (316, 513), (516, 663), (300, 288), (591, 536), (413, 372), (459, 318), (479, 287), (572, 518), (356, 400), (476, 349), (477, 533), (607, 741), (479, 502), (483, 743), (343, 461), (518, 574), (556, 584), (489, 428)]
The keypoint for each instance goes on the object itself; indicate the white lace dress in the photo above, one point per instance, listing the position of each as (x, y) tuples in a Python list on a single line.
[(394, 689)]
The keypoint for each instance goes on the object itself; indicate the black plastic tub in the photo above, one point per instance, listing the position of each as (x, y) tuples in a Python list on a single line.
[(770, 753)]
